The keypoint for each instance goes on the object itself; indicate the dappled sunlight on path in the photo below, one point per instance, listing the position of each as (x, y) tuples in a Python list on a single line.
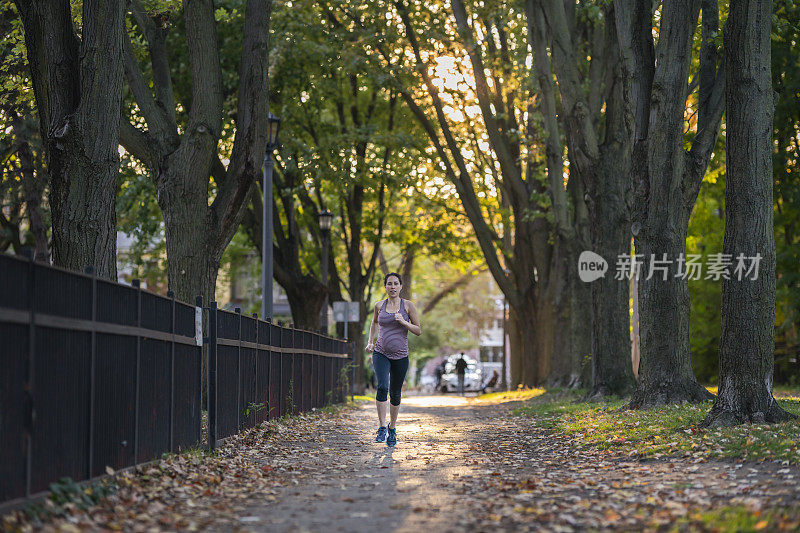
[(467, 464), (434, 401), (461, 464)]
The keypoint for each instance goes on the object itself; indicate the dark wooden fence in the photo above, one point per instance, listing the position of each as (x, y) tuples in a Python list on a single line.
[(261, 370), (95, 374)]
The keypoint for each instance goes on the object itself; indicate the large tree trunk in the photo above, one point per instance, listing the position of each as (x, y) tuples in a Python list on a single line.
[(306, 296), (666, 178), (525, 349), (580, 315), (612, 373), (78, 88), (563, 316), (599, 170), (516, 362), (747, 344), (548, 334), (183, 160), (665, 374), (188, 250)]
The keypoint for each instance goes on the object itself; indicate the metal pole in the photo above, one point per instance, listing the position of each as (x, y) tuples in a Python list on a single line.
[(137, 383), (238, 311), (266, 238), (92, 373), (30, 386), (171, 296), (351, 349), (211, 375), (326, 242), (504, 382)]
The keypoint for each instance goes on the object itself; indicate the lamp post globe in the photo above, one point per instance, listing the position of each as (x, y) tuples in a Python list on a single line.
[(325, 219), (273, 128)]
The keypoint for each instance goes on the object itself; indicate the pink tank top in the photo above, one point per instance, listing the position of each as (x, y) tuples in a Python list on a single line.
[(392, 335)]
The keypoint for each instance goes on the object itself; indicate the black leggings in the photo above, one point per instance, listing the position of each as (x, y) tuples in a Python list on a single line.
[(390, 373)]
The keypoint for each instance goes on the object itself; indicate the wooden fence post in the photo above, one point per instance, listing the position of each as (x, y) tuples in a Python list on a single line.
[(92, 372), (211, 373), (137, 285)]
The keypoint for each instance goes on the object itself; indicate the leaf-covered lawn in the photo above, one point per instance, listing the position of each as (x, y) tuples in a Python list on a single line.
[(510, 396), (668, 431)]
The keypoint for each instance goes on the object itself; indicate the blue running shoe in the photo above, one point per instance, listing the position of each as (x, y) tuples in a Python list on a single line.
[(381, 437), (391, 440)]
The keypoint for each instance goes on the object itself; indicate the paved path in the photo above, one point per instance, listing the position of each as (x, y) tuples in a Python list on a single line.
[(465, 466), (460, 465)]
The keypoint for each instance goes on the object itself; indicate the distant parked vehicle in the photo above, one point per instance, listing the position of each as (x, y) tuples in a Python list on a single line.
[(472, 377)]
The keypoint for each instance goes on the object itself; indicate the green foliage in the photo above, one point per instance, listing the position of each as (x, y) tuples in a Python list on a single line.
[(290, 406), (66, 492), (738, 518), (16, 89), (139, 216), (786, 82), (22, 181), (255, 407), (706, 231)]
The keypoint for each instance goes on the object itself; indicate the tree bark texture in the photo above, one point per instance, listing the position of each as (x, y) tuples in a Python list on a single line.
[(600, 165), (747, 344), (612, 372), (666, 178), (78, 89), (182, 163)]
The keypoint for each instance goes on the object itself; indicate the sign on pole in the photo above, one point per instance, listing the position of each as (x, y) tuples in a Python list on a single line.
[(198, 325), (346, 311)]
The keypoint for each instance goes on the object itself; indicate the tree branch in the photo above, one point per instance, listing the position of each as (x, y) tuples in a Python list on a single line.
[(250, 140), (452, 287), (157, 47), (157, 120), (460, 180), (139, 145), (584, 150), (204, 63), (554, 148), (711, 103), (499, 141)]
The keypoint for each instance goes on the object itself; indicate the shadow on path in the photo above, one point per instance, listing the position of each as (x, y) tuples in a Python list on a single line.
[(462, 465)]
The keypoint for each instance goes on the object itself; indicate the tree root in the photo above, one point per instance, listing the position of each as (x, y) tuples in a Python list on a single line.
[(727, 416)]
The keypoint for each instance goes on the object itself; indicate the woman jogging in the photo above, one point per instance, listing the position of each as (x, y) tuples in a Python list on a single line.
[(393, 319)]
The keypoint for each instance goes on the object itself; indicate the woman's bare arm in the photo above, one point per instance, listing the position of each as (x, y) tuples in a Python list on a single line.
[(373, 329), (412, 324)]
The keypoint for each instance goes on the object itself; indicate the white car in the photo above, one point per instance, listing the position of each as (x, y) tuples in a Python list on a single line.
[(473, 376)]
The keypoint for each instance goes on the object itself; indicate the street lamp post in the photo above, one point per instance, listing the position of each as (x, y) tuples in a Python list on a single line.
[(504, 382), (274, 124), (325, 219)]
